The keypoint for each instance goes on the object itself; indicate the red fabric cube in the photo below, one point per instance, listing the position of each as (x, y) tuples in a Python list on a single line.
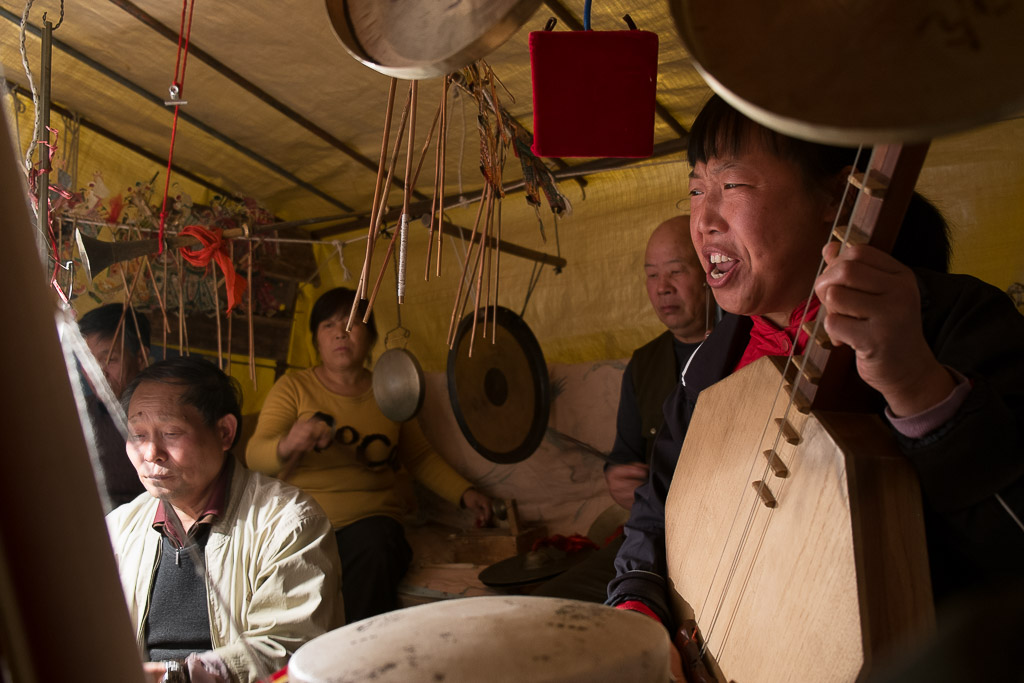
[(593, 93)]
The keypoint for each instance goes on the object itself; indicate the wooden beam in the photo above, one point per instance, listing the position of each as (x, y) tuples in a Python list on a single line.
[(253, 89), (667, 148), (271, 336), (127, 144), (184, 116), (558, 262)]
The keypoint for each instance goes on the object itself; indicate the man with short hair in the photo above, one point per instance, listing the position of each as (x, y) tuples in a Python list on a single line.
[(675, 286), (272, 575), (119, 348)]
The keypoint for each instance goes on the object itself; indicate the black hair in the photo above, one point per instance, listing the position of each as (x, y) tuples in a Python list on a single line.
[(923, 240), (103, 321), (720, 131), (339, 300), (207, 388)]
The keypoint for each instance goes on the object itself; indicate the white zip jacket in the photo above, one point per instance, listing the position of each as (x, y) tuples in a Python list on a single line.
[(272, 557)]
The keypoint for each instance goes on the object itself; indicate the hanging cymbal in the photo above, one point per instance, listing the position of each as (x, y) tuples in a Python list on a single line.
[(500, 395), (863, 72), (398, 385), (416, 40)]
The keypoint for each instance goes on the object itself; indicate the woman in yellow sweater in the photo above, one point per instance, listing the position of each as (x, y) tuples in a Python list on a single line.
[(349, 466)]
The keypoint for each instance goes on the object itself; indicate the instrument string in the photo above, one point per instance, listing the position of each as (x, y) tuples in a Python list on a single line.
[(1009, 511), (755, 501)]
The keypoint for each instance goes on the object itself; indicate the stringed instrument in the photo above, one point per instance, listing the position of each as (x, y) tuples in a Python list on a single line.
[(794, 531), (795, 536)]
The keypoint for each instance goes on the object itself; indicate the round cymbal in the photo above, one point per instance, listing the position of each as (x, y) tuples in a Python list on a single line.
[(416, 40), (531, 567), (862, 72), (398, 385)]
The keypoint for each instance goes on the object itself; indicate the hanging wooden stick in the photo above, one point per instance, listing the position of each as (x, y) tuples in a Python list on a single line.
[(497, 271), (480, 258), (156, 292), (465, 266), (130, 292), (443, 141), (231, 255), (361, 287), (437, 176), (181, 305), (135, 321), (166, 322), (426, 144), (216, 315), (376, 222), (409, 183), (487, 299), (403, 226), (252, 340)]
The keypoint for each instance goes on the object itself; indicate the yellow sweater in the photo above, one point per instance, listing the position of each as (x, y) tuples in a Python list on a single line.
[(338, 476)]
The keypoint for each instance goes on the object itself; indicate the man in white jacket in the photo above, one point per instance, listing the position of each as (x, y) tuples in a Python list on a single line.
[(256, 574)]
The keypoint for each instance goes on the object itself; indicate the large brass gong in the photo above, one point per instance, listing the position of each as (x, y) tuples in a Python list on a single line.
[(500, 394)]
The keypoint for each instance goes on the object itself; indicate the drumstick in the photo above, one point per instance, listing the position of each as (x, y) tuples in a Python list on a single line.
[(465, 266), (437, 177), (497, 271), (480, 274), (375, 207), (380, 214), (403, 227), (443, 141)]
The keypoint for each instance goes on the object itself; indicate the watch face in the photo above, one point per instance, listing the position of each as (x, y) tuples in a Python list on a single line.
[(424, 39)]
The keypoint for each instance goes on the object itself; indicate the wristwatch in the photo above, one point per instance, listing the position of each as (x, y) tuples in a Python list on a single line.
[(175, 672)]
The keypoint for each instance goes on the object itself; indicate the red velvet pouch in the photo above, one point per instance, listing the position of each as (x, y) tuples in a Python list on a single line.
[(593, 93)]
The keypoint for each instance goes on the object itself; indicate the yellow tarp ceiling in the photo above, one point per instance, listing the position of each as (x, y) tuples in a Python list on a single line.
[(112, 67)]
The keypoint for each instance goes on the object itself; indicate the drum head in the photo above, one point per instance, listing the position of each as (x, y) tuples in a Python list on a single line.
[(862, 72), (500, 395), (423, 39), (508, 639)]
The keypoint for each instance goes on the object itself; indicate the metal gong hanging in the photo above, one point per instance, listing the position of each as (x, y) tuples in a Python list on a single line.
[(500, 395), (864, 72), (425, 38)]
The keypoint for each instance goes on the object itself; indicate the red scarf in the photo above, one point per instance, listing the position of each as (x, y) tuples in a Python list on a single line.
[(766, 339)]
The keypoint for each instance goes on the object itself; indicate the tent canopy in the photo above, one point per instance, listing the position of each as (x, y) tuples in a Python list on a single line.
[(279, 111)]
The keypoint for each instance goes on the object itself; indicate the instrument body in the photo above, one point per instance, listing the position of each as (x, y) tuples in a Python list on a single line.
[(837, 569)]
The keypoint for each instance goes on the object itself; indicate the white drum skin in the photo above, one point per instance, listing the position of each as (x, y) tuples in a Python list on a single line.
[(495, 639)]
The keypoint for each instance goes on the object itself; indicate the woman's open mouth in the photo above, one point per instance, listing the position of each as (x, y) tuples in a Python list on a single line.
[(720, 266)]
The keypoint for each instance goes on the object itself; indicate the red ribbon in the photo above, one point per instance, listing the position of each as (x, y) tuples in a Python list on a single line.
[(214, 247), (567, 544)]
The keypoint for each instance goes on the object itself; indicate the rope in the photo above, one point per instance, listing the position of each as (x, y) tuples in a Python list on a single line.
[(31, 85), (176, 91)]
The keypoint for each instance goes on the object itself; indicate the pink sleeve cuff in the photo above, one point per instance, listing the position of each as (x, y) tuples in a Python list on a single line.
[(917, 426), (637, 606)]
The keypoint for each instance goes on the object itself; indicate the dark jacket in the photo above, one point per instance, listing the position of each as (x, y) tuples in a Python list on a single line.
[(971, 327), (649, 379)]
